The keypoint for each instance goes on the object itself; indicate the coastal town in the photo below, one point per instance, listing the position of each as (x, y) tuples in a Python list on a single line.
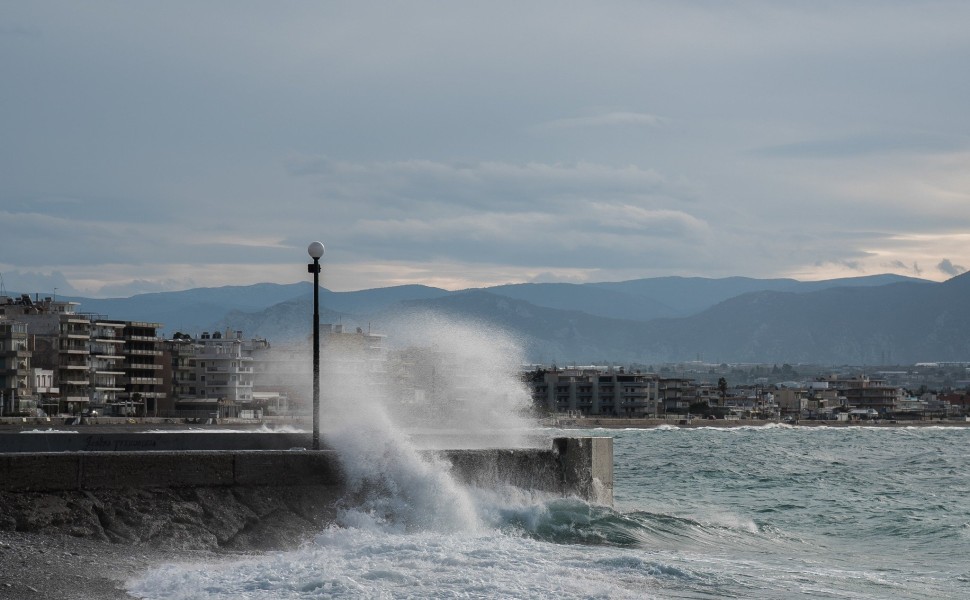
[(57, 362)]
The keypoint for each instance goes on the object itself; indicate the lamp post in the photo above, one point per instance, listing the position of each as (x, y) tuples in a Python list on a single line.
[(315, 250)]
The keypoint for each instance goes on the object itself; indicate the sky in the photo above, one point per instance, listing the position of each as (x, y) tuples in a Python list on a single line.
[(158, 146)]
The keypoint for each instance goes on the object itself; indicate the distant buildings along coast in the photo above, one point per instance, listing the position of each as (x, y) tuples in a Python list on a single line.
[(55, 360)]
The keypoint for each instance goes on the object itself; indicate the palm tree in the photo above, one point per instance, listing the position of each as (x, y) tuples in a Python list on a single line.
[(722, 387)]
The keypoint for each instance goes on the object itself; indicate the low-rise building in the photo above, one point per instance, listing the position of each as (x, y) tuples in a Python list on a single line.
[(603, 391)]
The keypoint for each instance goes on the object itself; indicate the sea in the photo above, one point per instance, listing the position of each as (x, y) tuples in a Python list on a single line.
[(750, 512)]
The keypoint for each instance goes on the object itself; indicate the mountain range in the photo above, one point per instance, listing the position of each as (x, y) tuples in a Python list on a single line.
[(882, 319)]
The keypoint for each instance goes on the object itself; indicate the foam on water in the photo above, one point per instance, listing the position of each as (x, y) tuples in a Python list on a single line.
[(51, 430), (755, 512), (401, 504), (356, 563)]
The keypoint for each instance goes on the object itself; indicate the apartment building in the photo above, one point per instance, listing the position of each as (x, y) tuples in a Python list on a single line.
[(212, 376), (863, 392), (600, 391), (223, 369), (793, 402), (14, 365), (98, 364), (178, 371), (884, 400), (59, 339), (143, 386)]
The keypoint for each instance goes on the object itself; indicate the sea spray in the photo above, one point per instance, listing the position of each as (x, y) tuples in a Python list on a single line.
[(458, 380), (450, 382), (870, 525), (406, 527), (390, 482)]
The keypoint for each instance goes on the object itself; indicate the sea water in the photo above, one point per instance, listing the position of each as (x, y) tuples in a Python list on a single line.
[(751, 512)]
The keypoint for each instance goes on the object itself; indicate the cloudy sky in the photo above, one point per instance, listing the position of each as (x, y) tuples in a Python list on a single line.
[(148, 146)]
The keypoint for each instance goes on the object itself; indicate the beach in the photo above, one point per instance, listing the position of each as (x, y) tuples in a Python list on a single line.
[(58, 566)]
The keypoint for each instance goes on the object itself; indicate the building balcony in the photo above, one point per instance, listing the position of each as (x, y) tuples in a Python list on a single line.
[(143, 380), (141, 338), (143, 367), (106, 373), (228, 370), (131, 352)]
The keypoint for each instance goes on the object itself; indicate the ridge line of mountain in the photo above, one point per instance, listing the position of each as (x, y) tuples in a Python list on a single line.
[(850, 321)]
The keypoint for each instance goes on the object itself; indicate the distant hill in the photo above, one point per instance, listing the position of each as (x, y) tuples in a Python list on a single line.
[(659, 297), (546, 335), (593, 299), (900, 323), (870, 320), (369, 301), (195, 310), (690, 295)]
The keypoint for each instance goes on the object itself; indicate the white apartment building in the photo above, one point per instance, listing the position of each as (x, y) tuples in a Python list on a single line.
[(224, 371)]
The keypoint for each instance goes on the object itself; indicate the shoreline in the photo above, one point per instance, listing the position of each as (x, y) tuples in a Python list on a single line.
[(58, 566), (624, 423), (86, 545)]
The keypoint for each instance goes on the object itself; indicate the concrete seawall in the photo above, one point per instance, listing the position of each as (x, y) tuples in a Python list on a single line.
[(73, 524), (572, 466), (81, 440)]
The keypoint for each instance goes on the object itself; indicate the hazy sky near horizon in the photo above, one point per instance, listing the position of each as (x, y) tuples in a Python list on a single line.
[(170, 145)]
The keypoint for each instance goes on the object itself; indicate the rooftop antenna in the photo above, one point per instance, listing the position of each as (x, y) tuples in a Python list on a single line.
[(3, 290)]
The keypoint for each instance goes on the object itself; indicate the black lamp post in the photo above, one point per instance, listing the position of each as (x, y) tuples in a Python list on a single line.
[(315, 250)]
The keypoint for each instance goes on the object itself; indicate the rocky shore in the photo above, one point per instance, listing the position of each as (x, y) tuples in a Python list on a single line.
[(57, 566), (85, 545)]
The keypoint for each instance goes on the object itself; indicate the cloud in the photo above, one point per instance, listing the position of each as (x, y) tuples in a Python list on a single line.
[(559, 277), (403, 188), (662, 222), (948, 268), (898, 265), (31, 282), (191, 144), (610, 119), (874, 143)]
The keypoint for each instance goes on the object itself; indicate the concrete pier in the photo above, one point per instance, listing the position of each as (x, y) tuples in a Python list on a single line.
[(572, 466)]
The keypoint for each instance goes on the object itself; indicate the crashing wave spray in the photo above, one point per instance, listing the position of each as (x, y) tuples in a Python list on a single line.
[(458, 383), (445, 383)]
